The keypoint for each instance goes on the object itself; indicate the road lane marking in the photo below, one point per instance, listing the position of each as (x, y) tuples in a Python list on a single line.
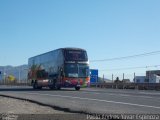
[(91, 92), (124, 91), (150, 93), (91, 99), (122, 95)]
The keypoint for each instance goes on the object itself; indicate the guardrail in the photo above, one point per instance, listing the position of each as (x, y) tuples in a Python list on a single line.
[(139, 86), (16, 84)]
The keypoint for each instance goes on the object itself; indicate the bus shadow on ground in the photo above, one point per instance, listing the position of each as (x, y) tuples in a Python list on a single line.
[(13, 88)]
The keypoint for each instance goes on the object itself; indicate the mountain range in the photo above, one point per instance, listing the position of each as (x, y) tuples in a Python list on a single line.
[(19, 72)]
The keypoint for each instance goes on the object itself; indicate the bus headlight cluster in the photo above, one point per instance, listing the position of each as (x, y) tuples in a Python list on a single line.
[(67, 81)]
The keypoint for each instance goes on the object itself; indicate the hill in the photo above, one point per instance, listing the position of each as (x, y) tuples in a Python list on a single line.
[(19, 72)]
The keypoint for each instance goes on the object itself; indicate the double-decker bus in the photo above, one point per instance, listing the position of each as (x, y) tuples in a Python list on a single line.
[(64, 67)]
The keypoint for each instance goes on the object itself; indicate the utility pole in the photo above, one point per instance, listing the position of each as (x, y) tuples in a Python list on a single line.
[(123, 76), (4, 75), (96, 81), (134, 77), (0, 77), (112, 78), (103, 78)]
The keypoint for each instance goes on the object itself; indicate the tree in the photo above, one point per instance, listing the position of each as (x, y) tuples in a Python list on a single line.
[(33, 71), (11, 78), (117, 80)]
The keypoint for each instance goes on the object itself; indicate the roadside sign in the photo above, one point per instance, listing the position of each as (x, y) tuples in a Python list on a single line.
[(93, 75)]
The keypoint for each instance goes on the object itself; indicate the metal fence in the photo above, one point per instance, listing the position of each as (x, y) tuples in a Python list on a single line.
[(15, 83), (139, 86)]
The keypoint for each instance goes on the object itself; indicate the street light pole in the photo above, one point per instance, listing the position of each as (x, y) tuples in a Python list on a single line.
[(19, 74), (96, 81), (4, 75), (26, 69), (134, 77)]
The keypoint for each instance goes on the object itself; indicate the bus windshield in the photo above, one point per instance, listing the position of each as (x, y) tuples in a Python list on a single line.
[(75, 55), (76, 70)]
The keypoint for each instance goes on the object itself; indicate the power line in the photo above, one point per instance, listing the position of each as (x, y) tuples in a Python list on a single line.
[(128, 57), (127, 68)]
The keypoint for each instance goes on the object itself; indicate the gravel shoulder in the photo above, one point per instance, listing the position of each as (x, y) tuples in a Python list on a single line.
[(15, 106), (15, 109)]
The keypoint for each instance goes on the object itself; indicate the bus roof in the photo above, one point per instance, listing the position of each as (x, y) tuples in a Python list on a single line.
[(66, 48)]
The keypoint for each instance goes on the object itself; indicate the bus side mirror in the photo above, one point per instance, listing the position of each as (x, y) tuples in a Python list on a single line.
[(62, 72)]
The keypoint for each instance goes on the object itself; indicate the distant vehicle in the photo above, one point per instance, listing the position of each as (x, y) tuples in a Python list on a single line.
[(64, 67)]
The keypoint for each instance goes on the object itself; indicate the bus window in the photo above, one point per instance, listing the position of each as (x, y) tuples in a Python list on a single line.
[(77, 70), (83, 70), (71, 70), (75, 55)]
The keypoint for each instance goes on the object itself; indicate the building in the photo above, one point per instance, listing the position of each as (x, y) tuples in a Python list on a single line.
[(126, 80), (140, 79), (153, 76)]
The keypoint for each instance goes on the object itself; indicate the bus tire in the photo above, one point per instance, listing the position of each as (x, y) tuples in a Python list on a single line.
[(58, 87), (39, 87), (77, 88), (51, 87), (35, 86)]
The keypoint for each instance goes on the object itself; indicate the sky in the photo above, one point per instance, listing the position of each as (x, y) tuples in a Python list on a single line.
[(105, 28)]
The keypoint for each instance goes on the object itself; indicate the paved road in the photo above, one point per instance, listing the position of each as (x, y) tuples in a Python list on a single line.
[(92, 100)]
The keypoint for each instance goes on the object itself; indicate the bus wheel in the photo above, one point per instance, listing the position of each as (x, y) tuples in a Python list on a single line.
[(35, 86), (77, 88), (40, 87), (51, 87), (58, 87)]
